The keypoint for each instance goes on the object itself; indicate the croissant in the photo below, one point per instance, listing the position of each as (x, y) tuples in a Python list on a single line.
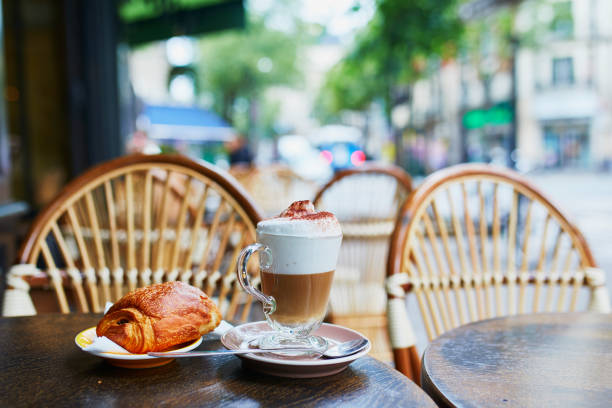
[(158, 317)]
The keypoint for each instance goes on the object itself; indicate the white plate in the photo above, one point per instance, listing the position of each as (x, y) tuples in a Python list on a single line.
[(302, 367), (128, 360)]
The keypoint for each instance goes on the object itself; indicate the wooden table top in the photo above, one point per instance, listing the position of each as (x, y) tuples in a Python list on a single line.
[(41, 365), (532, 360)]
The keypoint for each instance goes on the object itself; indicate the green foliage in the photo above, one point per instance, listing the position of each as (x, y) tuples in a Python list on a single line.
[(562, 23), (488, 40), (494, 34), (351, 85), (391, 52), (546, 20), (235, 67)]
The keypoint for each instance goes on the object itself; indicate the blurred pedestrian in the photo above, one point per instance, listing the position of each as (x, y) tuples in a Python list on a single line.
[(240, 152)]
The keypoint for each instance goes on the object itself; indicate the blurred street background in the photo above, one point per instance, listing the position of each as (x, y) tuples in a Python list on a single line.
[(314, 86)]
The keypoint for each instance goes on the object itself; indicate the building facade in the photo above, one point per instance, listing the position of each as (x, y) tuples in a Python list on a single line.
[(546, 104), (565, 90)]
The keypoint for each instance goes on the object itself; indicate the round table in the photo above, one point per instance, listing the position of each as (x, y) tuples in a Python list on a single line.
[(531, 360), (41, 365)]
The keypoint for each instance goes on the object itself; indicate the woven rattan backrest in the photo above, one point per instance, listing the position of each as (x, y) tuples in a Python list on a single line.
[(475, 241), (273, 187), (365, 200), (140, 220)]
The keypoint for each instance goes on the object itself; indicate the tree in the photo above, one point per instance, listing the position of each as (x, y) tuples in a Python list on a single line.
[(235, 68), (391, 53)]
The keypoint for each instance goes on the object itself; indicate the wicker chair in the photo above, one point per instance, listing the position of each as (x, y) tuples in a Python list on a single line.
[(131, 222), (273, 187), (365, 200), (475, 242)]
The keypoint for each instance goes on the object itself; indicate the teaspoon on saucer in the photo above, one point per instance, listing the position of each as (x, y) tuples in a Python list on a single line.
[(336, 351)]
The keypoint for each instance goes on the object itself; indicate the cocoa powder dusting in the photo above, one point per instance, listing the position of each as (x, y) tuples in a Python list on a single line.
[(304, 210), (314, 216), (298, 209)]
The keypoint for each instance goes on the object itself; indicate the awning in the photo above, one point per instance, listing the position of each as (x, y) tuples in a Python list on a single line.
[(145, 20), (565, 103), (195, 125)]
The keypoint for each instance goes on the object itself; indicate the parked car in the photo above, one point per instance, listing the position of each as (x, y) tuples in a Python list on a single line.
[(340, 146), (342, 155)]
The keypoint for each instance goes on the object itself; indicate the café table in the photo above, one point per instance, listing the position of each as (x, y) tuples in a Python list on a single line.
[(530, 360), (42, 366)]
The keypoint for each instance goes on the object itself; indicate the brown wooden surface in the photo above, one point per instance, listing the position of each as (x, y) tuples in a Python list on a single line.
[(536, 360), (42, 366)]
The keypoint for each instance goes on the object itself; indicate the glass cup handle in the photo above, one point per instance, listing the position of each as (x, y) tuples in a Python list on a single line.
[(265, 262)]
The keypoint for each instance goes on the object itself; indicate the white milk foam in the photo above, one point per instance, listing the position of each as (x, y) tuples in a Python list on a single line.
[(302, 240), (321, 227), (299, 255)]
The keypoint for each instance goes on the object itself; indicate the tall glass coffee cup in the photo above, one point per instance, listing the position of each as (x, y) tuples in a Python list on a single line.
[(298, 252)]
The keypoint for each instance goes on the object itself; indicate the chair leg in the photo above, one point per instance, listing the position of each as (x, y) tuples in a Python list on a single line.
[(407, 362), (401, 332)]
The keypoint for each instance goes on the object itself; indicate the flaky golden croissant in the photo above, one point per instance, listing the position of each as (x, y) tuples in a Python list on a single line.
[(158, 317)]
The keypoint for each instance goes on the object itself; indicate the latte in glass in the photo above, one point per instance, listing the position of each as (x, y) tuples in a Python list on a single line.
[(298, 252)]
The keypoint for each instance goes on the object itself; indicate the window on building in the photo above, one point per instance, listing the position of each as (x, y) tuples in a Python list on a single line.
[(563, 71)]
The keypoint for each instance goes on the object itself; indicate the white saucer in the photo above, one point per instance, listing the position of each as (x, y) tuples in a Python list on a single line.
[(127, 360), (296, 367)]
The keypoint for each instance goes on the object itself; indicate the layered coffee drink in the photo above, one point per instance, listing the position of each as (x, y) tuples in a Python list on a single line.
[(299, 298), (304, 245), (298, 251)]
